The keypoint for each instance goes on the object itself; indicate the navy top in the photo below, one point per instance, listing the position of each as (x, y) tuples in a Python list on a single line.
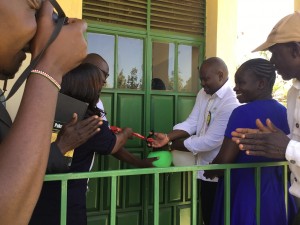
[(245, 116), (102, 142), (242, 181)]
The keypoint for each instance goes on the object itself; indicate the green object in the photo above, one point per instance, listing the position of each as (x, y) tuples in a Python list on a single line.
[(164, 158)]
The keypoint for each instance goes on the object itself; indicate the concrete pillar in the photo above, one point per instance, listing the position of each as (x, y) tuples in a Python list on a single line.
[(73, 8), (297, 5), (221, 31)]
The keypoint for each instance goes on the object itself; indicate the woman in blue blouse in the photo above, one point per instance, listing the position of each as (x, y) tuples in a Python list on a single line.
[(254, 82)]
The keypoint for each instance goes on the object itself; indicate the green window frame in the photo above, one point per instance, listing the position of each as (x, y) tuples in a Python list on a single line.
[(165, 21)]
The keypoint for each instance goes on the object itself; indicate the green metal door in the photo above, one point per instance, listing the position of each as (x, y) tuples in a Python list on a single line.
[(139, 54)]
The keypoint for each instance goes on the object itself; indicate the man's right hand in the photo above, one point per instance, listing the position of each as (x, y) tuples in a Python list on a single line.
[(267, 141), (74, 133), (160, 140), (127, 132)]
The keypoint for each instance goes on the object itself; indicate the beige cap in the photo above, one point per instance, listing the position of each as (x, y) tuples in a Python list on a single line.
[(286, 30)]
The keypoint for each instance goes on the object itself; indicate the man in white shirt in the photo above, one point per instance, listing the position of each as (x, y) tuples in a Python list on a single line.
[(203, 131), (284, 44), (122, 154), (102, 65)]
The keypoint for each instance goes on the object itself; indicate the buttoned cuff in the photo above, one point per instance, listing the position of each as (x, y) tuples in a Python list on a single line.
[(187, 144), (292, 153)]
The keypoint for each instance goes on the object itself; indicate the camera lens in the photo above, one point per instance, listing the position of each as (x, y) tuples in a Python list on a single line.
[(54, 17)]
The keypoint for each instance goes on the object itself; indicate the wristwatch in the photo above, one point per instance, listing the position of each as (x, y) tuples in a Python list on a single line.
[(169, 142), (170, 145)]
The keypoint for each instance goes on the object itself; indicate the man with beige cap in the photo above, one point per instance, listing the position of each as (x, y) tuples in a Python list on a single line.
[(284, 44)]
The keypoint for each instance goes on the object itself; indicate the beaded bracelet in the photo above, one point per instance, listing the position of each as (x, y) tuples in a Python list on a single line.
[(53, 81)]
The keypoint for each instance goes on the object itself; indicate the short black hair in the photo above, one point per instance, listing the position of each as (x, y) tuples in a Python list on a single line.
[(158, 84)]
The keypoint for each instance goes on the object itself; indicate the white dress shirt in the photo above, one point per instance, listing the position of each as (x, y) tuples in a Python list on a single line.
[(293, 148), (101, 106), (207, 123)]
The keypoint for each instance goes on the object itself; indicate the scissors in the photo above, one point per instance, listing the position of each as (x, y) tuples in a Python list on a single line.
[(148, 139)]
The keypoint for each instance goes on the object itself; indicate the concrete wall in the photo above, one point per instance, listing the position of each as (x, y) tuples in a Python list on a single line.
[(297, 5), (221, 31)]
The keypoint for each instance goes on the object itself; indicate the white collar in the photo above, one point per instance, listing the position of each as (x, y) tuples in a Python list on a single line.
[(296, 84), (222, 91)]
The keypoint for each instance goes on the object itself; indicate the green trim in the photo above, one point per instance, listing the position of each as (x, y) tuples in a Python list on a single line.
[(156, 199), (142, 171), (156, 172), (258, 190), (113, 201), (227, 195), (63, 202), (194, 198), (112, 29), (285, 177)]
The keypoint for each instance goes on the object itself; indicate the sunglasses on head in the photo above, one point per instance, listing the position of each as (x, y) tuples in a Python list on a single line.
[(106, 74)]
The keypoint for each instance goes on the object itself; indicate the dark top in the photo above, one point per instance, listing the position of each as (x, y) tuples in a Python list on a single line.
[(57, 163), (5, 122), (47, 210)]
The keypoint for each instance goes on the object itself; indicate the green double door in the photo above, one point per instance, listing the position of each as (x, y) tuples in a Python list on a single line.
[(152, 86), (135, 193), (153, 48)]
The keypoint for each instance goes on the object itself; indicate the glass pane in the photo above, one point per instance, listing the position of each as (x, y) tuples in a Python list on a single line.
[(187, 68), (130, 63), (103, 45), (163, 66)]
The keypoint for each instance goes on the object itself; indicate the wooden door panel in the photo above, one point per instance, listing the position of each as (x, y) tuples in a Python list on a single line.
[(162, 189), (93, 193), (183, 215), (188, 186), (175, 184), (130, 218), (165, 216), (130, 111), (185, 106), (162, 113), (96, 220), (133, 191)]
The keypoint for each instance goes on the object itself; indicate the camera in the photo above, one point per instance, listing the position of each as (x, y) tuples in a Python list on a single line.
[(55, 17)]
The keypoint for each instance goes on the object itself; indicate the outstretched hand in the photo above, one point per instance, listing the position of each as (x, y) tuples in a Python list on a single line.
[(267, 141), (74, 133), (160, 140), (148, 162), (128, 132)]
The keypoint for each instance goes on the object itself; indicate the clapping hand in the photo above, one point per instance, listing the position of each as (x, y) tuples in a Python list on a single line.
[(267, 141)]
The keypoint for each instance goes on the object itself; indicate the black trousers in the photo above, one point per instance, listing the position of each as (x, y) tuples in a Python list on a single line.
[(207, 198)]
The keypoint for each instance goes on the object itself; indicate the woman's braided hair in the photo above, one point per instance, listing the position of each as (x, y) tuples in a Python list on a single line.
[(262, 68)]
